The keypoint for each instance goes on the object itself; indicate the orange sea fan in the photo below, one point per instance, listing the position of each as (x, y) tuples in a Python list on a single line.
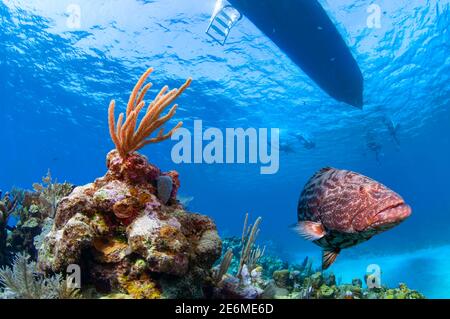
[(125, 136)]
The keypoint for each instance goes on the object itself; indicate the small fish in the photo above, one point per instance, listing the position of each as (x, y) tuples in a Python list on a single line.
[(185, 200), (286, 148), (12, 222), (339, 209), (307, 143)]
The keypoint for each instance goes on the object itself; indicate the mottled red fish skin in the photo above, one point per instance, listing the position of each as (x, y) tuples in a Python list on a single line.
[(344, 201)]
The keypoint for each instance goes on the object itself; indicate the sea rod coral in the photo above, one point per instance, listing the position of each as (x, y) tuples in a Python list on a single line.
[(50, 192), (125, 135), (245, 284), (125, 238)]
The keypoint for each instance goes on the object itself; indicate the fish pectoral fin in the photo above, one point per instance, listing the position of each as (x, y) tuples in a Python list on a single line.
[(310, 230), (328, 257)]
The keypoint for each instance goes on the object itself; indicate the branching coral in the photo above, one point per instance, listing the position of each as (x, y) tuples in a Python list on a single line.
[(223, 267), (23, 282), (247, 283), (50, 193), (249, 254), (124, 134), (254, 256), (30, 211)]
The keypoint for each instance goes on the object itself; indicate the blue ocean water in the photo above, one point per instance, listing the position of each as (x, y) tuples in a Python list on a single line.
[(56, 83)]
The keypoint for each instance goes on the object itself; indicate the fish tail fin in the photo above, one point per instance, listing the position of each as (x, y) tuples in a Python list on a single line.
[(329, 256)]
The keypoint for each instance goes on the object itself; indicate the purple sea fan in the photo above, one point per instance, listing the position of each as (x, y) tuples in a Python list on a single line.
[(164, 186)]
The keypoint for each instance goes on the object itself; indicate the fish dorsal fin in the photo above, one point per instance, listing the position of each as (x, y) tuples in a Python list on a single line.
[(310, 230), (328, 257), (325, 169)]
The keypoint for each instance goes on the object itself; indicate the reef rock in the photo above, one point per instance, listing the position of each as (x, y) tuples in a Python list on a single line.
[(282, 278), (128, 240), (233, 288)]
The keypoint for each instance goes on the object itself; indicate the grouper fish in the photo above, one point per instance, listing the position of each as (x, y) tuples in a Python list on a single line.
[(339, 209)]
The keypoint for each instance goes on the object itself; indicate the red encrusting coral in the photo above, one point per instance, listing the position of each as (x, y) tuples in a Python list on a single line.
[(135, 169)]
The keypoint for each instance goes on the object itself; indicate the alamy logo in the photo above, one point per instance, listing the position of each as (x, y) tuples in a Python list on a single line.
[(73, 16), (374, 18), (373, 278), (237, 145), (73, 278)]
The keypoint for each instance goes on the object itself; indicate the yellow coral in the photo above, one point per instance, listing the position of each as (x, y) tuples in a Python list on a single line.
[(142, 288), (125, 135), (142, 196)]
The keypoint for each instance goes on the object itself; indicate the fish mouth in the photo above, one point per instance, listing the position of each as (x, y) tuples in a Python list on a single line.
[(391, 216)]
